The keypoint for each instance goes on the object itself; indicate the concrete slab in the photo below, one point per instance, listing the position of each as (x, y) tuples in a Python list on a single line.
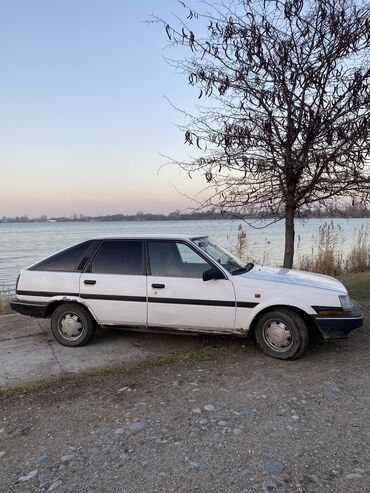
[(26, 360), (29, 352), (16, 326)]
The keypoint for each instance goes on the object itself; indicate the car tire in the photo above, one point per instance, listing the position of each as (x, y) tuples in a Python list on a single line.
[(282, 334), (72, 325)]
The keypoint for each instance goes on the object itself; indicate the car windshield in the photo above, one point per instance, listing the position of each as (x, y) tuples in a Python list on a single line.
[(221, 256)]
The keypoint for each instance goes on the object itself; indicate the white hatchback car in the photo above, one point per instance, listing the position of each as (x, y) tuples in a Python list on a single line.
[(185, 284)]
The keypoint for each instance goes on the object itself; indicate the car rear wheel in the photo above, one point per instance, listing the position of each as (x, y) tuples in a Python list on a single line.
[(282, 333), (72, 325)]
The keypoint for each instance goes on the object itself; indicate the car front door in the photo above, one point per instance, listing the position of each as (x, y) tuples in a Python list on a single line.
[(177, 295), (114, 285)]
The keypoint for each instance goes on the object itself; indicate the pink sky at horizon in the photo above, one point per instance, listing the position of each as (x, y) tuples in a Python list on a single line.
[(83, 118), (98, 196)]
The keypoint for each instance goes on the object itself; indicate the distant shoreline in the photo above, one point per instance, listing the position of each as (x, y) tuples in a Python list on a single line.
[(141, 217)]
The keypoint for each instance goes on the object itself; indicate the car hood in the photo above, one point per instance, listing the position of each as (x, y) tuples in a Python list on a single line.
[(294, 277)]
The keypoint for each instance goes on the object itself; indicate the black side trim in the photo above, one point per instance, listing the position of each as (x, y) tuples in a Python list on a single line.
[(246, 304), (142, 299), (112, 297), (45, 294), (182, 301), (173, 301)]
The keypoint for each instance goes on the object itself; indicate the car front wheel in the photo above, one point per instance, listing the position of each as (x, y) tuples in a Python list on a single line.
[(72, 325), (282, 333)]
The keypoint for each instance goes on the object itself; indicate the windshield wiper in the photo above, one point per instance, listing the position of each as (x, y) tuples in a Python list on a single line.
[(243, 270)]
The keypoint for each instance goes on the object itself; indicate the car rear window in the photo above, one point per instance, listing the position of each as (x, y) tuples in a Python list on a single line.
[(69, 260), (119, 257)]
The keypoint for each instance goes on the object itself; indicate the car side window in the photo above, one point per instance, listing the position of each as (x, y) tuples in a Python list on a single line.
[(69, 260), (175, 259), (119, 257)]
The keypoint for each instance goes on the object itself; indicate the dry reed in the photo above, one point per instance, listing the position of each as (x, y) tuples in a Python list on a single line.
[(5, 297), (327, 255), (358, 259), (240, 247)]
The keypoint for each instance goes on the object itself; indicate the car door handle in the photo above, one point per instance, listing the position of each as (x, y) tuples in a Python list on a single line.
[(158, 286), (90, 281)]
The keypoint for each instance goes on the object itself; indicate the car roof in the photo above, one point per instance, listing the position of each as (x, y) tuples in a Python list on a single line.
[(152, 236)]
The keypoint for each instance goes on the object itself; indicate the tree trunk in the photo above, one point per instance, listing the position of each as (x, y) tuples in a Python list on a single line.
[(289, 237)]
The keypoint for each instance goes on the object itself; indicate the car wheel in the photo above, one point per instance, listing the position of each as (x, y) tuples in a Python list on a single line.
[(282, 333), (72, 325)]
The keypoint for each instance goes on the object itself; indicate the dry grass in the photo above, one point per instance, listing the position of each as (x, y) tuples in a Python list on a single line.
[(358, 286), (240, 247), (5, 297), (243, 250), (359, 258), (327, 255)]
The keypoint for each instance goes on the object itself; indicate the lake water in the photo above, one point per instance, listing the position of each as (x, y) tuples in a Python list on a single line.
[(23, 244)]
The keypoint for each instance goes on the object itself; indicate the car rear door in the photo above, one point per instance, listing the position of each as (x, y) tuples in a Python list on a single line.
[(177, 295), (114, 284)]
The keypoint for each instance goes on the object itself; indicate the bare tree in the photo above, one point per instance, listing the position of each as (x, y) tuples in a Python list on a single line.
[(285, 124)]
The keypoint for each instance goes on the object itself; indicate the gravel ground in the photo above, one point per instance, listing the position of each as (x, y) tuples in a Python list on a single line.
[(236, 421)]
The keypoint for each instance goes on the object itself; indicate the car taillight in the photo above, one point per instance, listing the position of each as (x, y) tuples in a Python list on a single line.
[(16, 284)]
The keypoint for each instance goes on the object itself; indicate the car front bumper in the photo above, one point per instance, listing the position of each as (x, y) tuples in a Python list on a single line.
[(339, 327), (31, 308)]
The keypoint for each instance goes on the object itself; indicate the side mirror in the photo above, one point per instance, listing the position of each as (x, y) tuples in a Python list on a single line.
[(212, 273)]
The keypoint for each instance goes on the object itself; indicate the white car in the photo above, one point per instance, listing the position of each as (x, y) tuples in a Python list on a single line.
[(182, 283)]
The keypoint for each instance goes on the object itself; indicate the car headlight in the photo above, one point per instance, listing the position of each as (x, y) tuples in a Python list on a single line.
[(346, 303)]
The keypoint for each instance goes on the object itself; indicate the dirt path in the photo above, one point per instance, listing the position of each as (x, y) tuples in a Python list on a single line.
[(235, 422)]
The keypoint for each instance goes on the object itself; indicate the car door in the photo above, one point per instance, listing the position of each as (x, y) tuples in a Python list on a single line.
[(177, 295), (114, 285)]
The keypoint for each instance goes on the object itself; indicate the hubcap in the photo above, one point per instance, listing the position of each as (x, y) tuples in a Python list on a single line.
[(70, 326), (277, 335)]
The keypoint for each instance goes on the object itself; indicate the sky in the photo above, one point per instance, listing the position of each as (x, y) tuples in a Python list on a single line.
[(84, 120)]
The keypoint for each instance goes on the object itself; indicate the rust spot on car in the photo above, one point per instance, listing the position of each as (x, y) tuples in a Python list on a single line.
[(241, 331)]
